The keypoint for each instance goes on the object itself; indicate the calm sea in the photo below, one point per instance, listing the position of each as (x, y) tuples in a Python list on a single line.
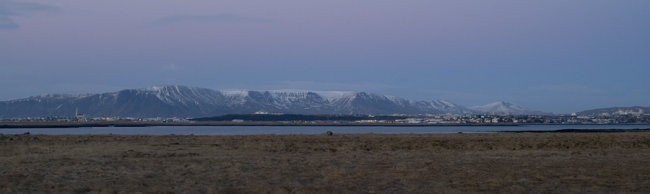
[(284, 130)]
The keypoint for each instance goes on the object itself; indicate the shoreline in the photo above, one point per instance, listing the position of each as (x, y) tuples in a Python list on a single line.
[(181, 124), (286, 124)]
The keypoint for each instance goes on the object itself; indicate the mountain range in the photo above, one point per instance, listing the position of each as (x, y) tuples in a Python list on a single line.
[(183, 101)]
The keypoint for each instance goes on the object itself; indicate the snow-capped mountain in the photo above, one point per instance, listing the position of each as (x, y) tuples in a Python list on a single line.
[(330, 102), (182, 101), (151, 102), (504, 108)]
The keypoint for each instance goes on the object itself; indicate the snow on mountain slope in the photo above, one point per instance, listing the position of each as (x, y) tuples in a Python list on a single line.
[(235, 96), (449, 107), (335, 95), (283, 97), (186, 95), (503, 108)]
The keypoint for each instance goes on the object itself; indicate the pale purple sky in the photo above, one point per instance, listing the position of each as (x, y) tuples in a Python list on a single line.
[(551, 55)]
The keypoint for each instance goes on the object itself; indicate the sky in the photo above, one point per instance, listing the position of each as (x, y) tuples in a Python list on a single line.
[(556, 56)]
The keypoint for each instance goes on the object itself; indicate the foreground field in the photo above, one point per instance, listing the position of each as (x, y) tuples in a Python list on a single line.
[(454, 163)]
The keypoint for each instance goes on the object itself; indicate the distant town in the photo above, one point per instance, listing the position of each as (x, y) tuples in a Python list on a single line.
[(265, 118)]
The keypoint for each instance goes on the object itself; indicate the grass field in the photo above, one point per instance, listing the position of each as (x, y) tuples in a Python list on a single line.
[(451, 163)]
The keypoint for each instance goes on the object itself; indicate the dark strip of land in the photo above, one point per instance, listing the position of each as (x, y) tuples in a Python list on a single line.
[(449, 163), (215, 123)]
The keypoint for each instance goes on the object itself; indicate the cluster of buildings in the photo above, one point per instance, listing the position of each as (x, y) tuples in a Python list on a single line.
[(444, 119), (81, 118), (518, 119)]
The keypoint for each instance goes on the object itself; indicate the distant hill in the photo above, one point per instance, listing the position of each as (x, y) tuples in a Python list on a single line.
[(505, 108), (182, 101), (634, 110)]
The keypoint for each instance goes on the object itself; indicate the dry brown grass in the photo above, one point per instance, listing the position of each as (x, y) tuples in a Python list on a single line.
[(454, 163)]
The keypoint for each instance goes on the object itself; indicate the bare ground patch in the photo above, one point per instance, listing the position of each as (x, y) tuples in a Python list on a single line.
[(455, 163)]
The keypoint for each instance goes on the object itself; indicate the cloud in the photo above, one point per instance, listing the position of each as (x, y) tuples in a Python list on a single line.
[(7, 23), (10, 9), (223, 18)]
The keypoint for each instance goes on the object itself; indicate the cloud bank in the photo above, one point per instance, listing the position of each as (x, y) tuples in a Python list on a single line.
[(10, 9), (230, 18)]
